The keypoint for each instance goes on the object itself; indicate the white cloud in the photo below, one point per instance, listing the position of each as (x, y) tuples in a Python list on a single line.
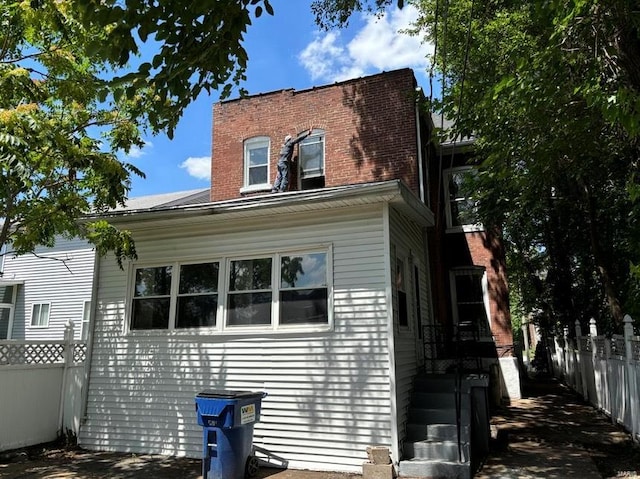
[(199, 168), (377, 46), (137, 152)]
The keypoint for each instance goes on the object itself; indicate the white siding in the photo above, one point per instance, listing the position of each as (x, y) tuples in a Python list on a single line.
[(61, 276), (408, 238), (328, 392)]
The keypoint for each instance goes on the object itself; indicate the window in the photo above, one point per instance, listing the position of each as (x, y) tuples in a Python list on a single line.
[(250, 295), (86, 315), (311, 161), (196, 298), (40, 315), (198, 295), (256, 163), (152, 298), (461, 208), (470, 302), (7, 301), (280, 290), (403, 307), (303, 289)]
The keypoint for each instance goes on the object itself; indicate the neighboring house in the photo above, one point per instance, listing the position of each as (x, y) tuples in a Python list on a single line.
[(41, 291), (322, 297)]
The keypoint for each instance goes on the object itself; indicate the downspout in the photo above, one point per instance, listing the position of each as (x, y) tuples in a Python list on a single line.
[(419, 139), (92, 326), (395, 447)]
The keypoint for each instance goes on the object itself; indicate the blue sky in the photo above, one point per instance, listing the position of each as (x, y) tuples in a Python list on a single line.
[(286, 50)]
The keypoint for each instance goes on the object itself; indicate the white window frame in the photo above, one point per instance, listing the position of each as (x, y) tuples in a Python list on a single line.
[(316, 136), (10, 306), (221, 326), (451, 228), (173, 294), (39, 305), (481, 272), (86, 318), (249, 144)]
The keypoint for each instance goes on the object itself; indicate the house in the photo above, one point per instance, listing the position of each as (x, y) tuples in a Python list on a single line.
[(40, 292), (321, 296)]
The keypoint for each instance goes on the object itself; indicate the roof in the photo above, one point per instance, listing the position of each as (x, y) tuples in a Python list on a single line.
[(394, 192), (189, 197)]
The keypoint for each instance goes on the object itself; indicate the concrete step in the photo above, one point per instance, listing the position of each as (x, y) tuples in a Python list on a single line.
[(437, 432), (446, 451), (419, 415), (420, 468)]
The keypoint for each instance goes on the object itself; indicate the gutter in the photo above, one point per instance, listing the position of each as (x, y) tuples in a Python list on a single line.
[(368, 193)]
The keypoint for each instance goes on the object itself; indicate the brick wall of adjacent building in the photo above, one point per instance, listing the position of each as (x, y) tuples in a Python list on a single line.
[(369, 123)]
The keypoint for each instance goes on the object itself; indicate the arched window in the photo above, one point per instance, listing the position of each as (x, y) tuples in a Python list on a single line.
[(256, 163)]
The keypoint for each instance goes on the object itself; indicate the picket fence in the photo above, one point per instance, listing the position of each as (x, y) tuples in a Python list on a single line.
[(40, 390), (604, 371)]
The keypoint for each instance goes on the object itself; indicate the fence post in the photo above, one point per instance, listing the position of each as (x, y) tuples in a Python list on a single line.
[(68, 362), (632, 390), (593, 333), (581, 371)]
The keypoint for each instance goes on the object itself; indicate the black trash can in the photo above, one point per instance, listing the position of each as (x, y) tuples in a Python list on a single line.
[(227, 418)]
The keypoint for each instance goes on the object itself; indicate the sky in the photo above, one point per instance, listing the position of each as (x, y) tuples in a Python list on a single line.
[(286, 50)]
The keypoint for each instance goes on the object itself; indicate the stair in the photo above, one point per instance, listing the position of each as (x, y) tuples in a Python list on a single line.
[(439, 435)]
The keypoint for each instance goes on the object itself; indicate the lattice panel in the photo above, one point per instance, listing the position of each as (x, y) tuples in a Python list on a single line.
[(618, 346), (31, 353), (79, 352), (635, 349), (599, 346), (585, 343)]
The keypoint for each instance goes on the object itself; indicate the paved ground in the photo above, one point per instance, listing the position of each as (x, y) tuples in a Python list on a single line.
[(549, 434)]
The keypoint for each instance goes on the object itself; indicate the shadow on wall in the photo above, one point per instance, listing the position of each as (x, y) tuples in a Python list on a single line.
[(382, 146)]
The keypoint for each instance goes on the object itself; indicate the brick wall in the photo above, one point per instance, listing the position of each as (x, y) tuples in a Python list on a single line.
[(369, 123)]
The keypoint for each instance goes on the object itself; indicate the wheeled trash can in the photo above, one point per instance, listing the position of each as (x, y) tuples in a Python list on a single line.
[(227, 418)]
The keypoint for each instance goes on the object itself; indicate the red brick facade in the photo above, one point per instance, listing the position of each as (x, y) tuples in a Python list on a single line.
[(370, 135), (369, 124)]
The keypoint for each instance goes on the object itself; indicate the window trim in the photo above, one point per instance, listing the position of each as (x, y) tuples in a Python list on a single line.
[(221, 327), (247, 143), (451, 228), (48, 319), (84, 323), (475, 271)]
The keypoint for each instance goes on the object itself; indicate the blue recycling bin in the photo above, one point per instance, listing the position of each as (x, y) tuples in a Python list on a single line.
[(227, 418)]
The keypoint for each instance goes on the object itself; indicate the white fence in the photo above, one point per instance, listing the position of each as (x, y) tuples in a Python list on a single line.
[(40, 390), (606, 372)]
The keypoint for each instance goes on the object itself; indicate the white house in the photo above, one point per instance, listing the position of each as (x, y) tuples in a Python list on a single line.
[(313, 297)]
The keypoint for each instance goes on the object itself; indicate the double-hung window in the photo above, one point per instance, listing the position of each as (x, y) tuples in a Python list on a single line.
[(311, 161), (461, 209), (163, 300), (303, 289), (250, 293), (256, 163), (470, 302), (265, 292), (40, 315)]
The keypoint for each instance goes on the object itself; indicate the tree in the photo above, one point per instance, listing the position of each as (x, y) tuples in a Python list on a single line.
[(70, 101), (551, 92)]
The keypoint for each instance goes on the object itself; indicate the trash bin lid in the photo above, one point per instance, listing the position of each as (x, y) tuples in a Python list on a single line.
[(226, 394)]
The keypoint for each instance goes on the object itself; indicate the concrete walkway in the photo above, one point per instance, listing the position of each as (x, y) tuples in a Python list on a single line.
[(552, 433), (549, 434)]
